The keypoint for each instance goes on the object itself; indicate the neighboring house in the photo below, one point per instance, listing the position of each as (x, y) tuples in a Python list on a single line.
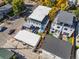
[(57, 48), (72, 2), (27, 37), (1, 2), (39, 18), (63, 24), (6, 54), (4, 10)]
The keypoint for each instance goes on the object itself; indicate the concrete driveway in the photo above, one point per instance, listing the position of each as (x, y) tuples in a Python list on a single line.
[(3, 38)]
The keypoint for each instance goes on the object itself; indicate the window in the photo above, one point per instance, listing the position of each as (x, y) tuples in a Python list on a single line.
[(58, 27), (67, 25), (61, 23), (65, 28)]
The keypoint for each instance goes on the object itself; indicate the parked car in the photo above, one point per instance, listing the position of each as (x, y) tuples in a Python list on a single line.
[(23, 27), (3, 29), (11, 31)]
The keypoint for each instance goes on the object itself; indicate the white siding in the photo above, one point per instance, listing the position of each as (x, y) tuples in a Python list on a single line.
[(35, 23)]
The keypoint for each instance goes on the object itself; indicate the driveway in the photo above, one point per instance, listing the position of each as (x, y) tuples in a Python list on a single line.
[(3, 38)]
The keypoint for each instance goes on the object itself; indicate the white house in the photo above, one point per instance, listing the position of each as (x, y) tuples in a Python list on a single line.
[(39, 18), (63, 24)]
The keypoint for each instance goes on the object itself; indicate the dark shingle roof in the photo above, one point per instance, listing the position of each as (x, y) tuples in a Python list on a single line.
[(57, 47), (5, 54)]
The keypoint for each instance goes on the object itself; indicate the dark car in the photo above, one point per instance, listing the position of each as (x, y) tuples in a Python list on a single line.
[(23, 27), (11, 31), (3, 29)]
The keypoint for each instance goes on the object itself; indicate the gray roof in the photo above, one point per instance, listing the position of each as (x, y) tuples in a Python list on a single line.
[(5, 54), (65, 17), (5, 7), (57, 47)]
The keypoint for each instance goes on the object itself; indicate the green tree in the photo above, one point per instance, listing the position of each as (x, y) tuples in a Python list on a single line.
[(50, 3), (7, 1), (17, 6), (76, 12)]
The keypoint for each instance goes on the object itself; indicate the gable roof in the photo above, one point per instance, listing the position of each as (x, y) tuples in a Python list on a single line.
[(65, 17), (57, 47), (5, 54), (39, 13)]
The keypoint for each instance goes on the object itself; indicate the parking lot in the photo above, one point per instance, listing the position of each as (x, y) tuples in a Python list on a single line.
[(4, 36)]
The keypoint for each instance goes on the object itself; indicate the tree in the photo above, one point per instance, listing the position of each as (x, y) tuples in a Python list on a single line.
[(76, 12), (48, 3), (7, 1), (17, 6)]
